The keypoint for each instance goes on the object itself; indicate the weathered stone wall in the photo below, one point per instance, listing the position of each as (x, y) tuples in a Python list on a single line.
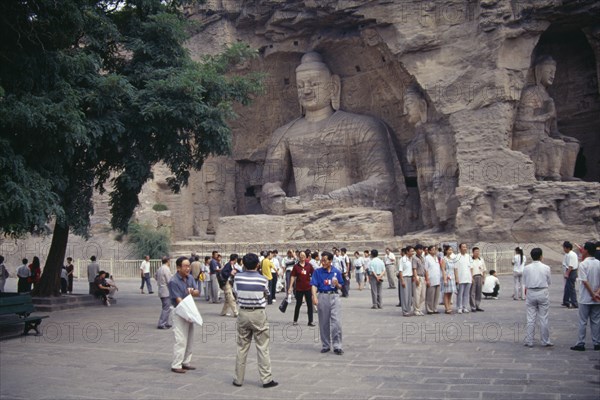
[(471, 58)]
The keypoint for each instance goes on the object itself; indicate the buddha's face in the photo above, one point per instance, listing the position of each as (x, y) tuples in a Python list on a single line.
[(314, 89), (547, 72), (413, 109)]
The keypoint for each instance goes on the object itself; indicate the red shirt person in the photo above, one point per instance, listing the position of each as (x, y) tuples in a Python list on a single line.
[(300, 281)]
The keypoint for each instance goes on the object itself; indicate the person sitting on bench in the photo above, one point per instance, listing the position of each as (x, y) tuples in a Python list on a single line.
[(102, 288)]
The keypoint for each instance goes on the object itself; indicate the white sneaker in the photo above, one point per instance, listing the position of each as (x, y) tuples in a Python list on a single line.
[(466, 310), (460, 311), (495, 298)]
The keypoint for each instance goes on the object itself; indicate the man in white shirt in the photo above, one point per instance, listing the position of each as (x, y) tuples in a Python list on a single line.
[(589, 297), (434, 273), (536, 279), (491, 286), (406, 281), (145, 274), (23, 273), (462, 271), (478, 271), (570, 264), (390, 267)]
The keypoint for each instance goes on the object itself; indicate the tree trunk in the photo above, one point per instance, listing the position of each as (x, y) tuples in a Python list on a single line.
[(49, 285)]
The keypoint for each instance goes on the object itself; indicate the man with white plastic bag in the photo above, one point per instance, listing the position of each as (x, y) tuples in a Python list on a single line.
[(182, 286)]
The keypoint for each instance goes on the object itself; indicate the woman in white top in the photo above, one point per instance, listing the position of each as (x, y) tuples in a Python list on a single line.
[(518, 264)]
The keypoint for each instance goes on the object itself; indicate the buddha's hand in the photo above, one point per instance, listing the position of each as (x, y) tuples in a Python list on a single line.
[(273, 198)]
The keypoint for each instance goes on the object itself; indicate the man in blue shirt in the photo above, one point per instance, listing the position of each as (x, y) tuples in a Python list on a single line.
[(181, 285), (325, 283)]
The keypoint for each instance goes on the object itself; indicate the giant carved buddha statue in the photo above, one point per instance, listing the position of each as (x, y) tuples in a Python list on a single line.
[(536, 133), (328, 158)]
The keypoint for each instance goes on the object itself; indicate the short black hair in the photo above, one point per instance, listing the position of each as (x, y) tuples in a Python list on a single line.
[(180, 260), (24, 261), (590, 247), (315, 254), (69, 258), (536, 253), (327, 255), (250, 261), (408, 248), (474, 248), (374, 253), (492, 272), (93, 258), (418, 246), (343, 249), (233, 256), (214, 252), (206, 258), (165, 259), (568, 245)]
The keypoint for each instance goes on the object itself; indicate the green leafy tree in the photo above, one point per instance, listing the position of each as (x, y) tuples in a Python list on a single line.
[(147, 240), (93, 93)]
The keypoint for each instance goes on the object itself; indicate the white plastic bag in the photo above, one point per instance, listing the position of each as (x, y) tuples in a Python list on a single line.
[(187, 310)]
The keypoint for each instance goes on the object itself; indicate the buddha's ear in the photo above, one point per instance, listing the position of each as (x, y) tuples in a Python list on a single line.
[(336, 90)]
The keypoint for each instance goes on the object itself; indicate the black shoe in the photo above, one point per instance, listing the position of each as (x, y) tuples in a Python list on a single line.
[(398, 305), (596, 347), (575, 306), (565, 305), (311, 324), (150, 292), (578, 348), (339, 352), (325, 350), (479, 309), (270, 384), (236, 384), (373, 308)]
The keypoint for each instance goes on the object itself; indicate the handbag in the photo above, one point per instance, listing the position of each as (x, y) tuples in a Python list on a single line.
[(283, 305)]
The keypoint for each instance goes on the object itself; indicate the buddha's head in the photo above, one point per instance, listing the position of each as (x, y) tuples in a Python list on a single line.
[(317, 87), (545, 68), (415, 106)]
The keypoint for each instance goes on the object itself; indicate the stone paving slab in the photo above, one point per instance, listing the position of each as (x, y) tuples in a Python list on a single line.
[(117, 353)]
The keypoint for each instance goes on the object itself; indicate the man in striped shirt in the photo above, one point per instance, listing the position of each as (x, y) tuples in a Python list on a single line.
[(251, 289)]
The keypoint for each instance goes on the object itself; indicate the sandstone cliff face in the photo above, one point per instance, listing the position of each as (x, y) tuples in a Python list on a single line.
[(471, 59)]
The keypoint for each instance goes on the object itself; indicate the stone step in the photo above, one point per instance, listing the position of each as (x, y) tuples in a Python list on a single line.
[(66, 302)]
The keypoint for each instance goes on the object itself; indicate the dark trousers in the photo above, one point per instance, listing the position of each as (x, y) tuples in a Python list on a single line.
[(146, 279), (288, 275), (70, 284), (494, 293), (92, 289), (399, 291), (23, 286), (102, 294), (63, 285), (307, 295), (346, 286), (272, 288), (570, 296)]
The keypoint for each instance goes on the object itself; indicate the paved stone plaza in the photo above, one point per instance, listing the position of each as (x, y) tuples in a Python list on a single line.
[(118, 353)]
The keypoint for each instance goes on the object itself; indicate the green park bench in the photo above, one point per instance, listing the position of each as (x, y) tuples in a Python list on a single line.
[(15, 309)]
